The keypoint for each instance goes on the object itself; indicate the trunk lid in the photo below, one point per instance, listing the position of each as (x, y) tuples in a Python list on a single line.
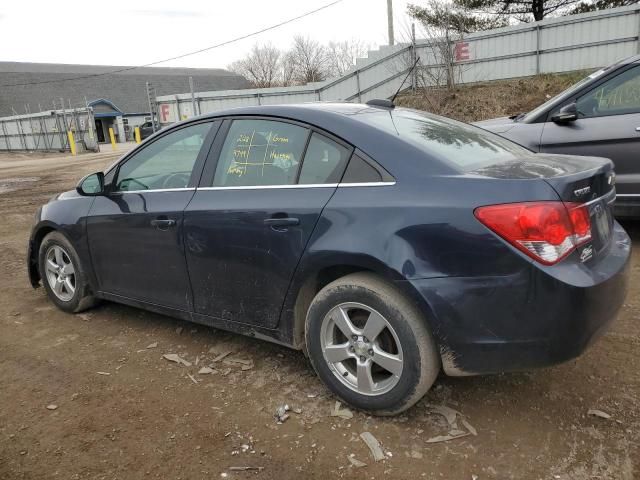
[(584, 180)]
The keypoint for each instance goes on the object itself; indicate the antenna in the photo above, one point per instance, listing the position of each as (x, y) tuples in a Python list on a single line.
[(405, 79)]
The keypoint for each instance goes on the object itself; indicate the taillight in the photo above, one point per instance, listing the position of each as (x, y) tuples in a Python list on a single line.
[(546, 231)]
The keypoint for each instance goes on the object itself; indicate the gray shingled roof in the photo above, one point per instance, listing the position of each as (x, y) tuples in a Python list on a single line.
[(127, 90)]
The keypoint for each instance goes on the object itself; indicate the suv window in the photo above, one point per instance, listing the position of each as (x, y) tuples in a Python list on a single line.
[(165, 163), (260, 152), (618, 96), (324, 161)]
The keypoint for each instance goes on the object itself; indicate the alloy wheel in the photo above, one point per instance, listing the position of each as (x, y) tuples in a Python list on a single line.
[(361, 348), (60, 272)]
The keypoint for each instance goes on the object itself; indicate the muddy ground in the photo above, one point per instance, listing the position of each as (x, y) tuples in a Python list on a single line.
[(124, 412)]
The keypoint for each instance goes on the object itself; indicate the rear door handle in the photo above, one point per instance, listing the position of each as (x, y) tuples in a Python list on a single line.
[(163, 223), (637, 129), (281, 222)]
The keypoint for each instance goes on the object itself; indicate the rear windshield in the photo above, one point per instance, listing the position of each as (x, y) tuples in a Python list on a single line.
[(463, 146)]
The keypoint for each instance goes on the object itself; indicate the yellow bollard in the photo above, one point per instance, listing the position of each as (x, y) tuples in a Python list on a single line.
[(112, 137), (137, 134), (72, 143)]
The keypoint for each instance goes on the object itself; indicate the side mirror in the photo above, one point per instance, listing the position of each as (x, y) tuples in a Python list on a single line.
[(568, 113), (91, 185)]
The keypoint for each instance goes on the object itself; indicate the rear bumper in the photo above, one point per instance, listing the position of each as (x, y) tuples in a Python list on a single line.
[(534, 318)]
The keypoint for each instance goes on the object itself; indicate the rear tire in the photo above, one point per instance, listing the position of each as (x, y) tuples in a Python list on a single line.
[(386, 373), (63, 275)]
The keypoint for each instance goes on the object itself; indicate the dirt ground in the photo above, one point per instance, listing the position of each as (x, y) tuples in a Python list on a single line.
[(124, 412)]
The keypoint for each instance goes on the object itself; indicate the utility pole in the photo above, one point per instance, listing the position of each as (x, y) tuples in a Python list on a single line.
[(390, 20)]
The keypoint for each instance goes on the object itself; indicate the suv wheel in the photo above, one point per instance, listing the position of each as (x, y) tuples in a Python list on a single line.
[(370, 345)]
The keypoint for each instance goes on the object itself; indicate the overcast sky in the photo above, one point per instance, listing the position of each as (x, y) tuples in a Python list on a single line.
[(135, 32)]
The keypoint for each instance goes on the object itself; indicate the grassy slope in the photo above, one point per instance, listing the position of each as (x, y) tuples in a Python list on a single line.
[(499, 98)]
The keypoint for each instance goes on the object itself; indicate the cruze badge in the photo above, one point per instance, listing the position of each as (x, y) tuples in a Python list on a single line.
[(586, 254), (581, 191)]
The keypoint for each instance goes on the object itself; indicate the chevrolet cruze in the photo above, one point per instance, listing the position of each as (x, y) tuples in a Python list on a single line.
[(388, 244)]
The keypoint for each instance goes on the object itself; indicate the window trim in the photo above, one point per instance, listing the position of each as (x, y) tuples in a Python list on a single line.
[(211, 164), (196, 172)]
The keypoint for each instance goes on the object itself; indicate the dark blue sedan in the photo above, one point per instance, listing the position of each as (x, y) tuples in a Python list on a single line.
[(386, 243)]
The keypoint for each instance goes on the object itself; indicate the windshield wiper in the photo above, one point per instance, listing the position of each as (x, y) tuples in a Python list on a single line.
[(517, 117)]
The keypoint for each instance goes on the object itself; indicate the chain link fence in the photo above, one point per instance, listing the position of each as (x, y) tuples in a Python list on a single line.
[(49, 131)]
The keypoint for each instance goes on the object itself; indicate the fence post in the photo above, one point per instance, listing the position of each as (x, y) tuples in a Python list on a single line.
[(63, 137), (414, 74), (193, 98), (638, 47), (60, 130), (178, 114), (6, 136), (358, 85), (33, 132), (538, 29), (43, 127), (21, 135)]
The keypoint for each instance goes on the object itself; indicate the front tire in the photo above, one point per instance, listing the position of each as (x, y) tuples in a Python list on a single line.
[(62, 273), (370, 345)]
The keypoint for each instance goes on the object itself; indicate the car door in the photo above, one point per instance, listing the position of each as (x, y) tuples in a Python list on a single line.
[(608, 125), (135, 230), (249, 221)]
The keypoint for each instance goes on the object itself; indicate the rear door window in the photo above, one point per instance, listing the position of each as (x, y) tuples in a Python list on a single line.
[(324, 161), (260, 152)]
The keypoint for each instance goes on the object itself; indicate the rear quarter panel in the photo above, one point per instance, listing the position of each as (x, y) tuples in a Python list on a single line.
[(415, 229), (421, 229)]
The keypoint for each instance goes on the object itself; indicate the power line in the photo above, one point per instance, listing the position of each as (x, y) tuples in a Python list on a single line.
[(227, 42)]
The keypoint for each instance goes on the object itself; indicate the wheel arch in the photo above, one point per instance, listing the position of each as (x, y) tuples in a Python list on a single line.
[(34, 249), (318, 278)]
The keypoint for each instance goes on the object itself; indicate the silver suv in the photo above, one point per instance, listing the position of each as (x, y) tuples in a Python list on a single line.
[(598, 116)]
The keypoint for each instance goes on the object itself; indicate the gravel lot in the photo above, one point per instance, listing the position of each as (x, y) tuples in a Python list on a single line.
[(125, 412)]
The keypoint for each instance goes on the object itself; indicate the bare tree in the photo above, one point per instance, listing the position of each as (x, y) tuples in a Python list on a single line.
[(287, 69), (442, 41), (342, 56), (261, 67), (310, 60)]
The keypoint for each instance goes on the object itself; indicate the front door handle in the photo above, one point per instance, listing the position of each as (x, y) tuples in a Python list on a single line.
[(163, 223), (281, 223), (637, 129)]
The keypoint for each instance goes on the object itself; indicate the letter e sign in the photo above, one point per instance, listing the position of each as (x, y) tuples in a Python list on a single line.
[(462, 51)]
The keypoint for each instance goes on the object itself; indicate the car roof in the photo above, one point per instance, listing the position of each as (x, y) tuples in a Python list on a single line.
[(345, 121)]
